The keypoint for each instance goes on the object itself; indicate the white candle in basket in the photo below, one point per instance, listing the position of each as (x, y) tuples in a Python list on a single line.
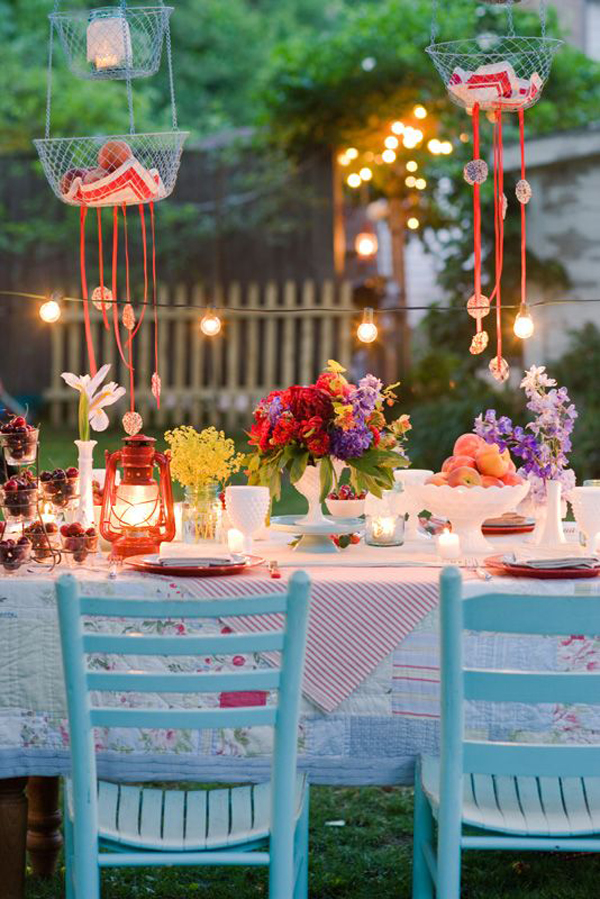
[(448, 545)]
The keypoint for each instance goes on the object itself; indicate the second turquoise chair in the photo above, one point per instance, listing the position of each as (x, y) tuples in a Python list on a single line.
[(109, 825), (518, 796)]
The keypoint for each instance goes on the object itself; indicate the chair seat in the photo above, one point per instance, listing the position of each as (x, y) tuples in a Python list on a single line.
[(544, 806), (186, 820)]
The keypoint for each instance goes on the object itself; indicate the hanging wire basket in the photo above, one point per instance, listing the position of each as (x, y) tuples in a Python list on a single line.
[(108, 171), (500, 73), (113, 42)]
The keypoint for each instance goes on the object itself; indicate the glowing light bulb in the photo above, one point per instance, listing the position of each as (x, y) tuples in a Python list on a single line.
[(420, 112), (434, 146), (343, 159), (421, 184), (351, 153), (210, 324), (367, 330), (354, 180), (397, 127), (366, 244), (464, 137), (50, 311), (446, 147), (388, 156), (366, 174), (413, 223), (412, 166), (523, 326), (411, 181), (391, 142)]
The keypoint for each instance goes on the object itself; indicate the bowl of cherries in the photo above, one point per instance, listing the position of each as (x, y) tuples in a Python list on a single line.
[(44, 539), (13, 553), (60, 487), (346, 503), (78, 542), (19, 440), (19, 497)]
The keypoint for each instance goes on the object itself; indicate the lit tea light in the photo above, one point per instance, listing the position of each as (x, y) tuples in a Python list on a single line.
[(236, 541), (384, 530), (448, 545)]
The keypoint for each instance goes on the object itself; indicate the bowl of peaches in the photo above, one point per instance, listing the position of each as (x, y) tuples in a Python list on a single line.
[(476, 483)]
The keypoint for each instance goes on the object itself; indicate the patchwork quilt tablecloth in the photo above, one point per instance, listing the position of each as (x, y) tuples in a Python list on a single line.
[(382, 709)]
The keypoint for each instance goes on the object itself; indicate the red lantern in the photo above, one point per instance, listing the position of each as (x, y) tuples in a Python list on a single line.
[(137, 515)]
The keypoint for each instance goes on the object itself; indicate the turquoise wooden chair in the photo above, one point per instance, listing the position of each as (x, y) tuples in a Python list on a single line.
[(518, 796), (265, 824)]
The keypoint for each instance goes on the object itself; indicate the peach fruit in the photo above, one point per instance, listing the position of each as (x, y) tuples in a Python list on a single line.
[(491, 461), (464, 477), (511, 479), (468, 445), (440, 479), (488, 481), (113, 154), (453, 462)]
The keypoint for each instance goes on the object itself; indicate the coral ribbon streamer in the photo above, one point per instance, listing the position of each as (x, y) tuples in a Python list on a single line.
[(498, 226), (145, 252), (154, 298), (477, 216), (128, 301), (101, 266), (84, 293), (523, 212), (115, 305)]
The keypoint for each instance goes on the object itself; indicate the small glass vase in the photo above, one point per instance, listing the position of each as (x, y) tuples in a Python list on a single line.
[(84, 513), (202, 516), (384, 530)]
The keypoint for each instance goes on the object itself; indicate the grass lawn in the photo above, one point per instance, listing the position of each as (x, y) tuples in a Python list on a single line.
[(369, 857)]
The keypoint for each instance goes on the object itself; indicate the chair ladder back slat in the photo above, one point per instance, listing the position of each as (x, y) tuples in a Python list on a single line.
[(229, 644), (110, 607), (507, 613), (531, 759), (176, 682), (193, 719), (531, 686)]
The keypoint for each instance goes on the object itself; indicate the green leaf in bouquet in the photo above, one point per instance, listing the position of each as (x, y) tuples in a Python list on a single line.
[(298, 466), (327, 475)]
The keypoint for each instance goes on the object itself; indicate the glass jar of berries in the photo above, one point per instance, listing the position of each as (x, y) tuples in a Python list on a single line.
[(13, 553), (19, 497), (78, 542), (60, 487), (20, 441)]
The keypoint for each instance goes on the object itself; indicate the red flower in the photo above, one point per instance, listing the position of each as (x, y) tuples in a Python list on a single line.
[(319, 444), (285, 431), (306, 402), (376, 436), (260, 433), (330, 383)]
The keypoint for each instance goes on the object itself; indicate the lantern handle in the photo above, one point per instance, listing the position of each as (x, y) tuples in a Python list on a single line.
[(163, 461)]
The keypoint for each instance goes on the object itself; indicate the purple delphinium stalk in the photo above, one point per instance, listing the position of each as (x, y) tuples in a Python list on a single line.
[(543, 445), (350, 444)]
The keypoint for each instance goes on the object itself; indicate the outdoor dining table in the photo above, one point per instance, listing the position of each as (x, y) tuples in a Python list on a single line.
[(370, 693)]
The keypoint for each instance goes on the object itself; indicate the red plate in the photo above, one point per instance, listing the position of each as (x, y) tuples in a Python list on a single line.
[(141, 563), (498, 567), (492, 531)]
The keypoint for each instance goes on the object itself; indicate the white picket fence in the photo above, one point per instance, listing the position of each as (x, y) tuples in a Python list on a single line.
[(213, 380)]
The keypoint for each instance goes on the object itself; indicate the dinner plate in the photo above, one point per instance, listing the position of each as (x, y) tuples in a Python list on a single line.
[(506, 530), (497, 566), (148, 565)]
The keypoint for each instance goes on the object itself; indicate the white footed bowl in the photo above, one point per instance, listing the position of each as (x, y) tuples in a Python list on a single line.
[(586, 508), (468, 507), (346, 508), (408, 502)]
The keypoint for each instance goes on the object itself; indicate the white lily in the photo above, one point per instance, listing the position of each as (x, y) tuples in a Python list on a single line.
[(93, 398)]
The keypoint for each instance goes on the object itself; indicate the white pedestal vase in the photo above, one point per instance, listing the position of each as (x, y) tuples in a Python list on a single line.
[(548, 533), (309, 486), (84, 513)]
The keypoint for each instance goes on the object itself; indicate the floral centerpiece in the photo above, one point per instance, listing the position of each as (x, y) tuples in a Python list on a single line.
[(543, 445), (202, 462), (327, 426)]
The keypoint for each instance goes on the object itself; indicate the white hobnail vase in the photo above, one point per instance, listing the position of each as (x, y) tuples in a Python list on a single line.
[(548, 532), (247, 508), (585, 502), (84, 513)]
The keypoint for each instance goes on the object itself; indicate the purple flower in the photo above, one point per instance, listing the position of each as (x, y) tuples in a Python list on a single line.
[(350, 444)]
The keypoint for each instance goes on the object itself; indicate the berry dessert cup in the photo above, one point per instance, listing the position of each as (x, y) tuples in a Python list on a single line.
[(78, 542), (44, 539), (346, 503), (13, 553), (20, 441), (60, 487), (19, 498)]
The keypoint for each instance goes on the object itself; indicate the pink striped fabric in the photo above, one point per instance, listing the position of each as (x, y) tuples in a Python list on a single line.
[(357, 618)]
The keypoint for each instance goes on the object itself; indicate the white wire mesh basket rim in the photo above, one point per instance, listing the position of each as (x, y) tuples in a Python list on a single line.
[(110, 11), (471, 47), (96, 138)]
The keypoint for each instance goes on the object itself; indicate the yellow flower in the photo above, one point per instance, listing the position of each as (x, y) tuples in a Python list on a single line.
[(199, 459)]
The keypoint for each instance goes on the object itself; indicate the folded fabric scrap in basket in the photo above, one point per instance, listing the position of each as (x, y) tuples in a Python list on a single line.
[(494, 85), (547, 564), (130, 183)]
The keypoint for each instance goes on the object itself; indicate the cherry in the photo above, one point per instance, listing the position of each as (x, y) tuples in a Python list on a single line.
[(11, 485), (65, 530), (72, 472)]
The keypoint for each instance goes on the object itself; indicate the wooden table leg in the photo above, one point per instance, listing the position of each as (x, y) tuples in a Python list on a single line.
[(44, 837), (13, 831)]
